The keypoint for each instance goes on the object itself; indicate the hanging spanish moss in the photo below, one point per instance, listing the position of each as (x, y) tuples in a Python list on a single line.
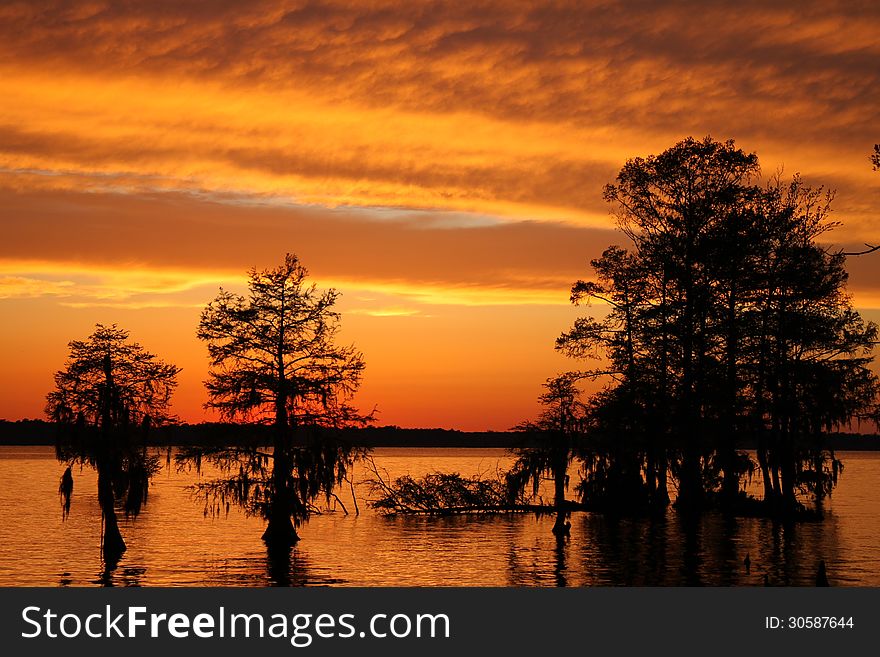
[(65, 491)]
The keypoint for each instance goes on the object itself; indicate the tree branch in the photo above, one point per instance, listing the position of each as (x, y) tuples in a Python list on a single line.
[(870, 249)]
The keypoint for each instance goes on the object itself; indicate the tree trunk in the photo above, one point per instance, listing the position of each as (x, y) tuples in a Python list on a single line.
[(769, 492), (112, 544), (759, 423), (690, 496), (650, 471), (662, 496), (661, 499), (560, 527), (730, 482), (818, 466), (280, 532), (787, 472)]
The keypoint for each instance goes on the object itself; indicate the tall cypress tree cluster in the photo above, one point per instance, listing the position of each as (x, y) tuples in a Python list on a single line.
[(728, 323)]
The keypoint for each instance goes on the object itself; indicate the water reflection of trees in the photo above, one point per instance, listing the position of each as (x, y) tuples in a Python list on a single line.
[(709, 550), (790, 553), (623, 551), (287, 566), (128, 576), (520, 550)]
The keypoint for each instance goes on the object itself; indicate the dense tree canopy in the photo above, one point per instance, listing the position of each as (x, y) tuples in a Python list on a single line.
[(109, 381), (728, 320)]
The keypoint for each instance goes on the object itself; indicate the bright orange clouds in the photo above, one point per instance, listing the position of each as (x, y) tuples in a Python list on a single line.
[(144, 134), (441, 163), (513, 109)]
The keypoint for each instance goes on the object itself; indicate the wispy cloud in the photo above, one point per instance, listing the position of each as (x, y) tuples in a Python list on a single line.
[(129, 305), (155, 243), (387, 312), (23, 287), (75, 285)]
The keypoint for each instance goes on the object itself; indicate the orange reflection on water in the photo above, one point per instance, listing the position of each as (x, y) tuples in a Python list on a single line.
[(173, 544)]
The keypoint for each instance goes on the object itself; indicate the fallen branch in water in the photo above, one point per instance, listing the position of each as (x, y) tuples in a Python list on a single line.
[(440, 493)]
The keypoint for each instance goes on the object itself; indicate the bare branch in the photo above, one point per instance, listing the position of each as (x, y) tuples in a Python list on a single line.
[(870, 249)]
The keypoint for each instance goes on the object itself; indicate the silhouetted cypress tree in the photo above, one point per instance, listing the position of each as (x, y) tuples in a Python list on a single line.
[(105, 399), (274, 360)]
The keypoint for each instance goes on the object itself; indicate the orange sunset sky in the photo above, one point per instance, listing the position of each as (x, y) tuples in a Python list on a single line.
[(440, 163)]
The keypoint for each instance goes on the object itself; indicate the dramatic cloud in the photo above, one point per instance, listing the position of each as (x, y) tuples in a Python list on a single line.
[(171, 234), (515, 109)]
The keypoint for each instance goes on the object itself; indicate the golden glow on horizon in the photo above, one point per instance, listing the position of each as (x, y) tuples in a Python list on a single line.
[(114, 286)]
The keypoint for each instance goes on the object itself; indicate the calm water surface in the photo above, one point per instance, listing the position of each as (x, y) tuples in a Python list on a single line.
[(172, 542)]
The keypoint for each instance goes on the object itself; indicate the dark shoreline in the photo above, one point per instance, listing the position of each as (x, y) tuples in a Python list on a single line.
[(40, 432)]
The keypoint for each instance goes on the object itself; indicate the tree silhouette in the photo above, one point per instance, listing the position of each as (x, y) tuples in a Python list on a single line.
[(875, 157), (110, 392), (727, 319), (676, 208), (274, 361), (557, 432), (809, 349), (629, 421)]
